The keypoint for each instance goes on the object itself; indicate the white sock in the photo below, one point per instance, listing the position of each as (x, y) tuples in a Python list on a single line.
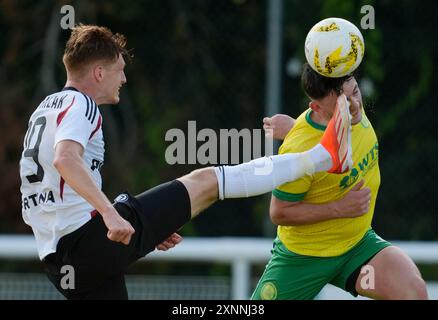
[(263, 175), (321, 158)]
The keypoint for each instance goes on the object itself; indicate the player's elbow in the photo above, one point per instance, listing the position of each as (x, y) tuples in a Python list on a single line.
[(277, 216), (61, 161), (284, 216), (67, 154)]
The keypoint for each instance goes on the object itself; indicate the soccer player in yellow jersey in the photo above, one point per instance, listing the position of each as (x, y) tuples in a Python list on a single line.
[(324, 220)]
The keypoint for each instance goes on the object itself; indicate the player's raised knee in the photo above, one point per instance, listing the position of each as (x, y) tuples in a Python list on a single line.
[(417, 290)]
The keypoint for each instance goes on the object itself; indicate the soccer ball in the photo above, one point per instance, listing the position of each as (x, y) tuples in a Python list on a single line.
[(334, 47)]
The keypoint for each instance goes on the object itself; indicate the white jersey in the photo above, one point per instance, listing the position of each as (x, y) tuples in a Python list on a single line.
[(49, 205)]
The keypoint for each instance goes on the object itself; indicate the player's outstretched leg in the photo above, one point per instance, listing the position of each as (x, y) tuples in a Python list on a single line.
[(263, 175)]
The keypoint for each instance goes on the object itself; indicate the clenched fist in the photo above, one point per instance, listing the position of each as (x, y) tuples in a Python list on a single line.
[(278, 126)]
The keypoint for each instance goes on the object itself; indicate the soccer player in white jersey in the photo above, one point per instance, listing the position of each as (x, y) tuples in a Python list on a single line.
[(75, 224)]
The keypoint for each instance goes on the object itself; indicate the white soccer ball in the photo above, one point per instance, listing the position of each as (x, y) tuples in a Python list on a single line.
[(334, 47)]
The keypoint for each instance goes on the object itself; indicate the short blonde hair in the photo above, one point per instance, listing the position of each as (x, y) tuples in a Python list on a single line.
[(90, 43)]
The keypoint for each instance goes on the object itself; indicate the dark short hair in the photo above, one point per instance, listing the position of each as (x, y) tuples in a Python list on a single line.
[(317, 86), (89, 43)]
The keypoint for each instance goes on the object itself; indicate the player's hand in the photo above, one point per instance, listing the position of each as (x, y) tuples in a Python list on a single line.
[(278, 126), (170, 242), (355, 203), (119, 230)]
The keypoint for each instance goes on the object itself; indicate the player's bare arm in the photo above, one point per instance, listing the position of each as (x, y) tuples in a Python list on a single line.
[(354, 204), (70, 165)]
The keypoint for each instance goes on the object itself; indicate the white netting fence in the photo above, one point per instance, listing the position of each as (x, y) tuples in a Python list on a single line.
[(35, 286)]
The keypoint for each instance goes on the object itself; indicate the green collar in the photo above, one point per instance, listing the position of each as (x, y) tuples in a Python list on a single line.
[(313, 123)]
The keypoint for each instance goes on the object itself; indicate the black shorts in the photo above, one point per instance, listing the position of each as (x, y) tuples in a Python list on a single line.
[(99, 264)]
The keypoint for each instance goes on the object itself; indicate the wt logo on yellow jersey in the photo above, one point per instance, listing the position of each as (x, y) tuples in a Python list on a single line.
[(367, 163)]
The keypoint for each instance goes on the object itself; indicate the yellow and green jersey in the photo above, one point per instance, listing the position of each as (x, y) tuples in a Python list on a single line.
[(337, 236)]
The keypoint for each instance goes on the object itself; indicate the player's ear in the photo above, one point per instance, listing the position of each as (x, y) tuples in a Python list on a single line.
[(98, 72), (314, 106)]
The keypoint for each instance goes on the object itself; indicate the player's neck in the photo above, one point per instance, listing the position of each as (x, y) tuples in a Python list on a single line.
[(82, 87), (319, 118)]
